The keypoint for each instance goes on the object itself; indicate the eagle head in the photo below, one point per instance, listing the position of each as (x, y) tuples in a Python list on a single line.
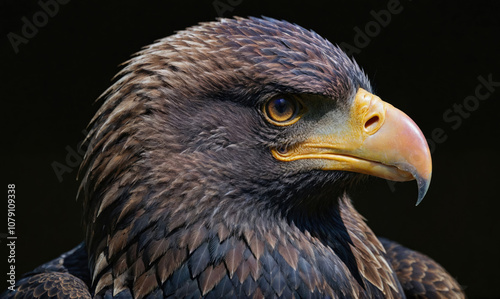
[(239, 129)]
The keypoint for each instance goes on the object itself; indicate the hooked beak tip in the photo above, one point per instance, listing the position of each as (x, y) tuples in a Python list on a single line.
[(423, 186)]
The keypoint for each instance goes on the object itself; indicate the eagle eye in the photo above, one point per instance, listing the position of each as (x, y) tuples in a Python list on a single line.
[(283, 110)]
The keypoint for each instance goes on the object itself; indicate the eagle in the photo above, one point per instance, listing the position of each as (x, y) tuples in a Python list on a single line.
[(220, 166)]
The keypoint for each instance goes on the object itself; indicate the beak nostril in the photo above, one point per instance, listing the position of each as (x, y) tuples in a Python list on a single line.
[(372, 122)]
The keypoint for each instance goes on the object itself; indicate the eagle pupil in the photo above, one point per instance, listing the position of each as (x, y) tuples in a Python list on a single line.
[(281, 105)]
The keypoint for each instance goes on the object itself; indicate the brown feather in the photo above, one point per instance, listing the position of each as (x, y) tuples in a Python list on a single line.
[(248, 234), (256, 246), (290, 254), (138, 268), (210, 277), (254, 267), (131, 253), (145, 284), (108, 198), (131, 204), (196, 237), (167, 264), (120, 283), (233, 258), (271, 240), (104, 281), (243, 271), (156, 249), (118, 241), (100, 264)]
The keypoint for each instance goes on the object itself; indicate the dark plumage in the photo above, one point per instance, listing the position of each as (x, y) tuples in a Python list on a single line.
[(199, 182)]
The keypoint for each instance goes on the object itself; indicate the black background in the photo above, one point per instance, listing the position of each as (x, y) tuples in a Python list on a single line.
[(424, 61)]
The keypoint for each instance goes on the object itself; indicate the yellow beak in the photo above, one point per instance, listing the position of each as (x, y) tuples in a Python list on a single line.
[(377, 139)]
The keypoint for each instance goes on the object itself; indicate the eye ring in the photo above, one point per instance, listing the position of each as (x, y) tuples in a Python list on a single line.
[(283, 110)]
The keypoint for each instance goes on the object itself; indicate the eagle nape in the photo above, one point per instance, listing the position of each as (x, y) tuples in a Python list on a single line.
[(220, 165)]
